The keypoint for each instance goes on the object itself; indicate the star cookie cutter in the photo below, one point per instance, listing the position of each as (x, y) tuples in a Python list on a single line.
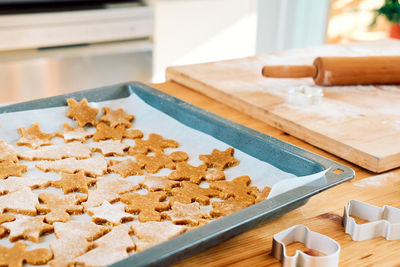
[(305, 95), (312, 240), (383, 221)]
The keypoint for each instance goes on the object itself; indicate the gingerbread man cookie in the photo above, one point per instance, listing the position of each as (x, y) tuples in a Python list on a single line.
[(147, 206)]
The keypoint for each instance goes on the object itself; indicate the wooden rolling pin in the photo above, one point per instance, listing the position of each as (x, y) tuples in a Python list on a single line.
[(342, 70)]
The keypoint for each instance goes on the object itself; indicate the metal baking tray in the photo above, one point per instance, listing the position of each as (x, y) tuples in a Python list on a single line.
[(280, 154)]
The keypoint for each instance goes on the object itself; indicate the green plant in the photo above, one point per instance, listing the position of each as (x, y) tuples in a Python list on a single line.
[(390, 9)]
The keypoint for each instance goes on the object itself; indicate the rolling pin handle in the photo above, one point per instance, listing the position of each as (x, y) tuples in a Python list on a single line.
[(293, 71)]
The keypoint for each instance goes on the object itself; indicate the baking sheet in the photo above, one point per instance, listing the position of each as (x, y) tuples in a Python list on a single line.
[(148, 119)]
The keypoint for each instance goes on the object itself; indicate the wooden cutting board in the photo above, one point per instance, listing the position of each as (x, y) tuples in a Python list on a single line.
[(358, 123)]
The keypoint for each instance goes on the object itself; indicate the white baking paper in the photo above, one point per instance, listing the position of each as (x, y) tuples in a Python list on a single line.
[(148, 120)]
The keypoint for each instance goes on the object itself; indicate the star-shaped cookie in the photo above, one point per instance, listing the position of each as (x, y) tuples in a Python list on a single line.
[(237, 188), (10, 168), (29, 228), (158, 183), (125, 168), (185, 171), (104, 132), (81, 112), (153, 164), (220, 159), (33, 137), (226, 207), (185, 213), (108, 213), (75, 182), (116, 117)]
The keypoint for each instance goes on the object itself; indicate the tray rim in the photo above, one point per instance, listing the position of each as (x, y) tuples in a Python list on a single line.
[(217, 231)]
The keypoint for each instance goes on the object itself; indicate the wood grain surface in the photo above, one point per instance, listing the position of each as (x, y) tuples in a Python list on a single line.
[(358, 123), (323, 212)]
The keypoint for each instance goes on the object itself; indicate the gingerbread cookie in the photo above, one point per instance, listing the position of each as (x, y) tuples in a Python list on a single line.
[(213, 175), (33, 137), (153, 164), (260, 195), (71, 150), (109, 249), (10, 168), (152, 233), (190, 192), (22, 201), (237, 188), (5, 218), (107, 213), (70, 134), (110, 148), (158, 183), (125, 168), (147, 206), (185, 171), (185, 213), (76, 182), (81, 112), (104, 132), (18, 255), (58, 208), (155, 143), (226, 207), (12, 184), (117, 117), (28, 228), (108, 189), (8, 152), (220, 159), (133, 134), (94, 166)]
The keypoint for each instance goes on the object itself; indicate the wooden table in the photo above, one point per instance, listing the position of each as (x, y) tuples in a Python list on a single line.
[(323, 212)]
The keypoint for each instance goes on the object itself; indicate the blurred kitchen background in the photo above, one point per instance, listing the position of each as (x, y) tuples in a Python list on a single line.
[(51, 47)]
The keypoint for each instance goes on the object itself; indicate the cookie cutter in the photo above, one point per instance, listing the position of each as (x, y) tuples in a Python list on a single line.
[(312, 240), (383, 221), (305, 95)]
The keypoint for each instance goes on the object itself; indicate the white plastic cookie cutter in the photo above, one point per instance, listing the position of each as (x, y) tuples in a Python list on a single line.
[(312, 240), (383, 221), (305, 95)]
